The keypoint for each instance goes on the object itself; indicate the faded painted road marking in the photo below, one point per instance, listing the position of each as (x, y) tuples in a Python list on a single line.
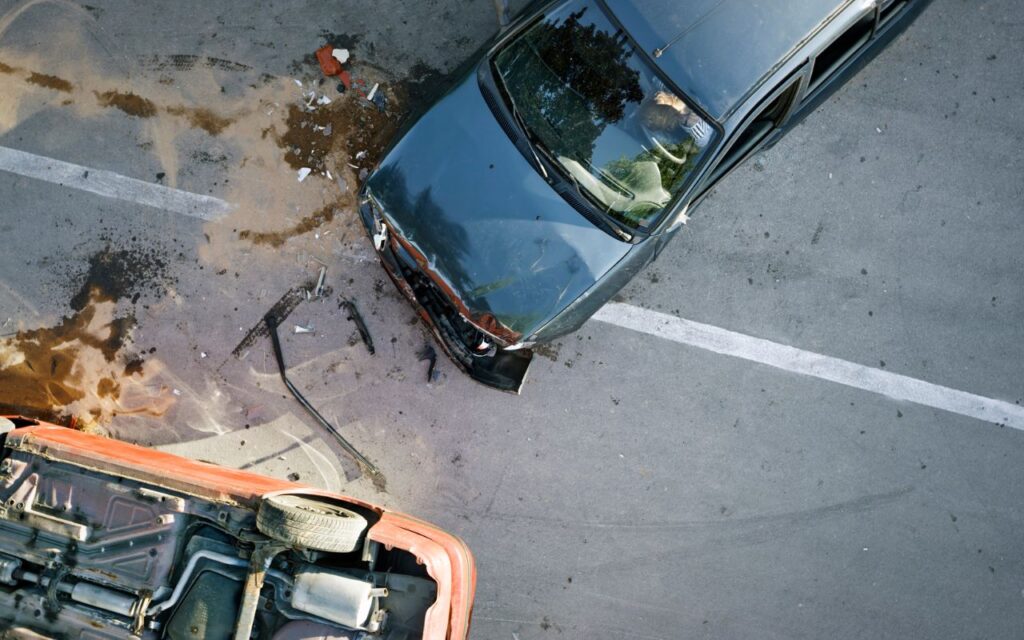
[(112, 185), (808, 363), (715, 339)]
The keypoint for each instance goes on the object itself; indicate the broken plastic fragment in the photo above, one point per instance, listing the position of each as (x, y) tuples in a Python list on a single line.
[(322, 100), (319, 291), (304, 173), (299, 329), (373, 92), (341, 55), (380, 239), (360, 155)]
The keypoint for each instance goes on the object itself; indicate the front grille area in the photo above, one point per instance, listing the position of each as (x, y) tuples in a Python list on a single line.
[(455, 331)]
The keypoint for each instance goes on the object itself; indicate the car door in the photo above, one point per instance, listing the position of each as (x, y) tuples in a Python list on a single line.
[(761, 127), (853, 46)]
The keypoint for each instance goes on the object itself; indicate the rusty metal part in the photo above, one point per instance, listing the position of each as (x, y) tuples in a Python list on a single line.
[(364, 463), (357, 318), (429, 354), (259, 564)]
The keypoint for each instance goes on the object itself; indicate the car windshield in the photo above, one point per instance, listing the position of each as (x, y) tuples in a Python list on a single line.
[(594, 104)]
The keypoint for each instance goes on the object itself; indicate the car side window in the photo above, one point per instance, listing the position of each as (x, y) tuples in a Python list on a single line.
[(832, 57), (769, 115)]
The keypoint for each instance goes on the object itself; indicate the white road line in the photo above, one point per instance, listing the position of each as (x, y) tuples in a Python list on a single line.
[(808, 363), (112, 185)]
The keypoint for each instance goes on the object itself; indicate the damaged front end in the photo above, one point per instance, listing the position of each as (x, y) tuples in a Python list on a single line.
[(479, 344)]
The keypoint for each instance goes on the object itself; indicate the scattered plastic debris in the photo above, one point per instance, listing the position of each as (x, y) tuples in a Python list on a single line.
[(322, 100), (203, 355), (360, 155), (304, 173), (319, 290), (341, 55), (373, 92), (356, 317), (380, 100), (300, 330), (429, 354), (330, 65)]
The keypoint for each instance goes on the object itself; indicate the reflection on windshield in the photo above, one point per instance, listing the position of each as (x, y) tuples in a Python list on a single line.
[(595, 105)]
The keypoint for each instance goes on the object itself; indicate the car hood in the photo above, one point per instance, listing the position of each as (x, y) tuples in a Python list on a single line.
[(484, 221)]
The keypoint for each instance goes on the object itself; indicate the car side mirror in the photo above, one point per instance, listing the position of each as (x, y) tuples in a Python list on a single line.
[(681, 218), (501, 6)]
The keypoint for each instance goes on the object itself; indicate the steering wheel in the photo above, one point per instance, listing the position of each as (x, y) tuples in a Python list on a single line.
[(668, 155), (660, 148)]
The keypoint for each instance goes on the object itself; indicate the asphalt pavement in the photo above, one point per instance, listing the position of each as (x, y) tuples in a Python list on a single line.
[(638, 487)]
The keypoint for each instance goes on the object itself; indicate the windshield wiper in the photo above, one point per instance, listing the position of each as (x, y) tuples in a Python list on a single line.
[(529, 138), (527, 134), (535, 145)]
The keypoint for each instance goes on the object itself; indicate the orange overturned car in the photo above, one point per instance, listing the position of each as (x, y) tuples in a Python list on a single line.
[(101, 539)]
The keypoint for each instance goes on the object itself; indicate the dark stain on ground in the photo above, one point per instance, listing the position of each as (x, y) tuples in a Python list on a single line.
[(50, 82), (205, 157), (121, 273), (340, 40), (551, 351), (96, 12), (309, 223), (130, 103), (5, 68), (280, 311), (44, 383), (187, 62), (201, 118)]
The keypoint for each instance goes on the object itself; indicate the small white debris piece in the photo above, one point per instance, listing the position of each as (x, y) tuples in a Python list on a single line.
[(829, 175), (329, 176), (380, 239), (319, 291), (203, 355), (322, 100), (341, 55), (360, 155), (176, 392), (300, 330), (373, 92), (298, 82), (304, 173), (878, 130)]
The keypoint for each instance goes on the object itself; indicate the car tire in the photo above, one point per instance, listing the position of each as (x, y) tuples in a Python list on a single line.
[(310, 523)]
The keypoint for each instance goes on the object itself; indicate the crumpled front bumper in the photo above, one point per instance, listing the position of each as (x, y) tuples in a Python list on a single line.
[(504, 370)]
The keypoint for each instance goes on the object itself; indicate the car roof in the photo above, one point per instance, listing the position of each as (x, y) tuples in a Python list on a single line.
[(716, 51)]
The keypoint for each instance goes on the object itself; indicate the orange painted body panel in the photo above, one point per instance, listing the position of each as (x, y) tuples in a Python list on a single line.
[(446, 558)]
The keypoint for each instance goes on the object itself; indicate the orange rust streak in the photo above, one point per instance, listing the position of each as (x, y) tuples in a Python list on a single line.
[(485, 321)]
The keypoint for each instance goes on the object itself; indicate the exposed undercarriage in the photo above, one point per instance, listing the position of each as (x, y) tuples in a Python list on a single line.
[(84, 554)]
